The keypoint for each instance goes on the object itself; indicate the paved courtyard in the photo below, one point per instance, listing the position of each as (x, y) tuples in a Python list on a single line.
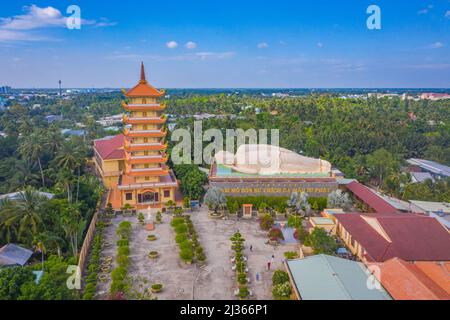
[(213, 281)]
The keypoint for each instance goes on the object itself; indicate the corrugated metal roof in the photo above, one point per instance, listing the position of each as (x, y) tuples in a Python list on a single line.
[(324, 277), (12, 254), (431, 166)]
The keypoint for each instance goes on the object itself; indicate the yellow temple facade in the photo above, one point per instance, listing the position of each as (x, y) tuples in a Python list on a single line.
[(132, 165)]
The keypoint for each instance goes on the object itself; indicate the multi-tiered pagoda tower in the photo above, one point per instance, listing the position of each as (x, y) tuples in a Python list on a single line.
[(146, 179)]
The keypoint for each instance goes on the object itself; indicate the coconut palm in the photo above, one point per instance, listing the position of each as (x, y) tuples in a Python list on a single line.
[(24, 214), (8, 229), (32, 147), (71, 157), (74, 226)]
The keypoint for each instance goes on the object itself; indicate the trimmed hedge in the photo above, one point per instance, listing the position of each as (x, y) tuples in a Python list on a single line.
[(118, 275), (94, 264)]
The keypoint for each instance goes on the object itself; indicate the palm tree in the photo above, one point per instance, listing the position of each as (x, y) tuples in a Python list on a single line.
[(70, 157), (24, 214), (74, 226), (8, 230), (32, 148), (54, 140)]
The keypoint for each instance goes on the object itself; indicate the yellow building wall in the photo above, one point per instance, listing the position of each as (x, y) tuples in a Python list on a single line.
[(134, 201)]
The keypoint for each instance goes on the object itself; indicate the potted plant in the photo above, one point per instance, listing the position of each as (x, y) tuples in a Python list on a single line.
[(201, 258), (243, 293), (153, 254), (127, 210), (242, 279), (141, 218), (151, 237), (158, 217), (156, 287), (178, 211), (187, 204), (170, 206), (109, 211), (186, 255)]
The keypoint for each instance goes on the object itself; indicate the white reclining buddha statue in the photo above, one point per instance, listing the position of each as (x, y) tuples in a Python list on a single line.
[(266, 159)]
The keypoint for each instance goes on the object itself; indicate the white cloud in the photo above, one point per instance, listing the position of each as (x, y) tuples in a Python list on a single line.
[(320, 44), (24, 27), (425, 10), (10, 35), (104, 22), (190, 45), (171, 44), (436, 45), (207, 55), (263, 45), (34, 18), (447, 14), (215, 55)]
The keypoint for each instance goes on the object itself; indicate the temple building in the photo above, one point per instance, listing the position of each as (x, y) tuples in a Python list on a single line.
[(267, 170), (132, 165)]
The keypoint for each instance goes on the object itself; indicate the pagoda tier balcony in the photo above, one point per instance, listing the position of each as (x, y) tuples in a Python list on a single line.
[(145, 133), (159, 158), (144, 107), (156, 146), (147, 172), (165, 181), (144, 120)]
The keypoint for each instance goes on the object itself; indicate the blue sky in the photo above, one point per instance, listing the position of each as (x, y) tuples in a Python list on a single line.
[(206, 43)]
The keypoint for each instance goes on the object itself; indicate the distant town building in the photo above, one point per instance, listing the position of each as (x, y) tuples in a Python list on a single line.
[(435, 169), (111, 120), (53, 118), (438, 210), (434, 96), (420, 177), (72, 132), (5, 90)]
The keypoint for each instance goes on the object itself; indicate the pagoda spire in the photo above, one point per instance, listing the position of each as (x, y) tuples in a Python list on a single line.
[(143, 73)]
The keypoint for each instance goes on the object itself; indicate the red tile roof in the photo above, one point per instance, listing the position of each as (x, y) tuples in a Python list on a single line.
[(112, 148), (370, 198), (412, 237), (143, 88), (407, 281)]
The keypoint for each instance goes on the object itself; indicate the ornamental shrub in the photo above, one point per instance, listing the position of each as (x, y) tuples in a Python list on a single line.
[(181, 228), (282, 291), (179, 238), (266, 222), (186, 255), (279, 277)]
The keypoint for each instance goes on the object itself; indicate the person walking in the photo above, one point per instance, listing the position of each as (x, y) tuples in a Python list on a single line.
[(251, 248), (268, 265), (257, 276)]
